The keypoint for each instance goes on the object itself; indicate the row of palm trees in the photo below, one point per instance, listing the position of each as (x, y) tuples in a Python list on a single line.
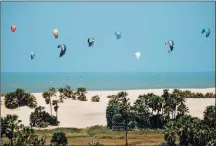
[(171, 114), (119, 111), (64, 94), (160, 104), (168, 106)]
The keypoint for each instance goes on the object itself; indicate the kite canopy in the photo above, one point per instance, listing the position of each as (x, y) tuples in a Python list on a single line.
[(118, 35), (63, 50), (13, 28), (32, 55), (170, 45), (206, 31), (91, 42), (138, 55), (55, 33)]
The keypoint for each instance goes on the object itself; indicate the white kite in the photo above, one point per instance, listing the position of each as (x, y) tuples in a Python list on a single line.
[(137, 54)]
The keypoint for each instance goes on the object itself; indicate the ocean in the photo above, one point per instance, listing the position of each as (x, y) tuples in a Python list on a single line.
[(39, 82)]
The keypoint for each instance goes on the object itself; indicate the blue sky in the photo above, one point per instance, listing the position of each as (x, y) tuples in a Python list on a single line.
[(145, 27)]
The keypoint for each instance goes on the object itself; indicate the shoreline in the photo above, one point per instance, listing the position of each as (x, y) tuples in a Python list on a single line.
[(82, 114), (152, 89)]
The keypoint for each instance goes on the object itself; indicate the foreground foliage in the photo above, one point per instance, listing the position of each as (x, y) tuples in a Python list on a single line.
[(19, 135), (59, 138), (191, 130)]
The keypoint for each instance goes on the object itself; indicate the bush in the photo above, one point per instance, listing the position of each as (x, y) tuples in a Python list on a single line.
[(43, 124), (94, 143), (209, 95), (59, 138), (19, 98), (40, 118), (211, 143), (132, 125), (95, 98), (82, 98), (37, 141)]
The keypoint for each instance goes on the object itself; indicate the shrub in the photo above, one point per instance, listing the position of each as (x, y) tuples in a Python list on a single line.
[(19, 98), (211, 143), (95, 98), (41, 118), (199, 95), (82, 98), (59, 138), (94, 143), (209, 95)]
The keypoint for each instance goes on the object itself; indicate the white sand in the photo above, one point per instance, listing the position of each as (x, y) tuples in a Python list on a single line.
[(81, 114)]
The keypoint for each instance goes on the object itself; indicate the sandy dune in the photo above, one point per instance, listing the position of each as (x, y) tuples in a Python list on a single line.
[(82, 114)]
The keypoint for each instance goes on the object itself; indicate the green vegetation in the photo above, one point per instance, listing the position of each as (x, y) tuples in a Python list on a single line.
[(81, 94), (95, 98), (19, 98), (66, 93), (59, 138), (150, 120), (168, 111), (94, 143), (40, 118), (47, 95), (191, 130)]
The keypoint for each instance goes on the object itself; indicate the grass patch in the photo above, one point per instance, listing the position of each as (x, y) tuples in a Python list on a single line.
[(107, 137)]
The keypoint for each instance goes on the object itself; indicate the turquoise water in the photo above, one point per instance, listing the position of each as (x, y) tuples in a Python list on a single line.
[(38, 82)]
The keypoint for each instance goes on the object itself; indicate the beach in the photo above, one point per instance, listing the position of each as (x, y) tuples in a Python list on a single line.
[(82, 114)]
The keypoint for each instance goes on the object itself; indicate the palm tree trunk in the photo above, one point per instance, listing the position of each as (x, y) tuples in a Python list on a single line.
[(158, 119), (11, 141), (172, 114), (50, 108), (175, 113), (126, 133), (57, 115), (162, 116)]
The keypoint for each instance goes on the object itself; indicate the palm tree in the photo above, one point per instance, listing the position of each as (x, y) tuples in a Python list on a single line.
[(209, 115), (182, 109), (168, 105), (170, 133), (10, 125), (81, 94), (55, 104), (47, 95), (124, 111), (24, 136), (112, 109), (141, 112), (66, 93), (209, 95)]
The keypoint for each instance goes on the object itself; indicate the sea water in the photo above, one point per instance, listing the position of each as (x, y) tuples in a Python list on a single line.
[(39, 82)]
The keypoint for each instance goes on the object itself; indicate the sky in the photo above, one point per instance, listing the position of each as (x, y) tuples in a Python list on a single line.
[(145, 27)]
